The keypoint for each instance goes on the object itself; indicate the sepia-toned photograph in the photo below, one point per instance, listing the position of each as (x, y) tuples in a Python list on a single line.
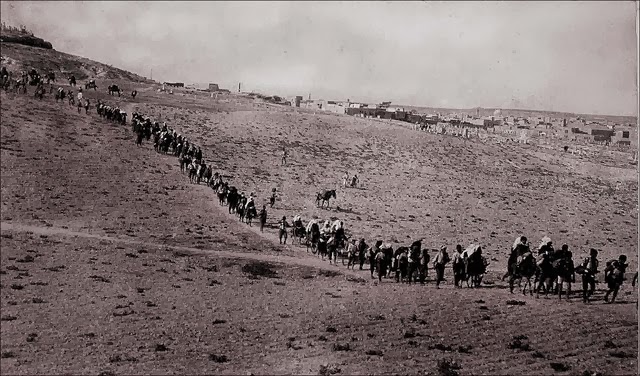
[(319, 188)]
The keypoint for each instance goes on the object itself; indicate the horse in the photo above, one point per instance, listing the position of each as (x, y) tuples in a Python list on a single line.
[(325, 196), (113, 89), (313, 236), (72, 81), (250, 214), (526, 268), (545, 275), (222, 194), (91, 85), (476, 267), (134, 93), (193, 172), (51, 77), (232, 198), (298, 231), (321, 246)]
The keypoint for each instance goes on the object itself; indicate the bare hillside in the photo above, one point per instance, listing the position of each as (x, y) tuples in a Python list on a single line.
[(17, 56)]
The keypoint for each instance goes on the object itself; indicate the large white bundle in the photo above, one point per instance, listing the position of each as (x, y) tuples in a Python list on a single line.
[(311, 223), (516, 242), (545, 240), (471, 249)]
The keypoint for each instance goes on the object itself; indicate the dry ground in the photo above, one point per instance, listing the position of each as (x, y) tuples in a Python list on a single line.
[(112, 262), (415, 184)]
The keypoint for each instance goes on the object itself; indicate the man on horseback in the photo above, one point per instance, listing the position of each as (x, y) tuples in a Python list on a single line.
[(520, 247), (298, 230)]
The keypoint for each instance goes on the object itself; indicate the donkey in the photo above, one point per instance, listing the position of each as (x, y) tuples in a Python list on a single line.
[(325, 196)]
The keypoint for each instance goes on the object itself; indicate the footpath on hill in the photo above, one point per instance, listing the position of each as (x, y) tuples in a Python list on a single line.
[(288, 260)]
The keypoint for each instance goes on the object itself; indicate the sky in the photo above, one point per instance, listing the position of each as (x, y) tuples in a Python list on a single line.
[(558, 56)]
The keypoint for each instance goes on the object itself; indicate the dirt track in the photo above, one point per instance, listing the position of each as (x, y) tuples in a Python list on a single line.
[(110, 287)]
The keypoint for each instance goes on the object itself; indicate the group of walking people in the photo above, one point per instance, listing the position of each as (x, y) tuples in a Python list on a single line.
[(551, 271)]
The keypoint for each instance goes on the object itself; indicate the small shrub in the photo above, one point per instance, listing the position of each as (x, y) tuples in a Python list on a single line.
[(448, 367), (331, 329), (329, 369), (409, 333), (538, 354), (218, 321), (161, 347), (17, 286), (465, 349), (620, 354), (260, 269), (516, 302), (329, 273), (218, 358), (374, 352), (27, 258), (7, 354), (441, 347), (341, 347), (38, 300), (517, 344), (559, 367), (8, 318)]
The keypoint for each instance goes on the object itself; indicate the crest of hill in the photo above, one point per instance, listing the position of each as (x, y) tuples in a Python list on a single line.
[(20, 50)]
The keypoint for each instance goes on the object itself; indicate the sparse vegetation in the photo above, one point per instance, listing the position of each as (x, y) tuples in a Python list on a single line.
[(447, 367), (559, 367), (260, 269), (218, 358)]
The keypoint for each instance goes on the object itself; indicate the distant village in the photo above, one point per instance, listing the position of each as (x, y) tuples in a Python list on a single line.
[(575, 129), (477, 122)]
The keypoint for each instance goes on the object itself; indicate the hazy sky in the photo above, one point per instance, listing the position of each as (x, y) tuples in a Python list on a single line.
[(561, 56)]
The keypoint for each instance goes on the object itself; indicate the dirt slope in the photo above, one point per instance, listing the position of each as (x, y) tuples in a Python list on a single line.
[(131, 294), (17, 57)]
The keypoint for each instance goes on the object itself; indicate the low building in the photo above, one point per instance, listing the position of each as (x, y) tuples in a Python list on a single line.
[(214, 87)]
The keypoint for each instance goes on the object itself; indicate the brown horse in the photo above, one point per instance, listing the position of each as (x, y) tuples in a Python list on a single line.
[(325, 196)]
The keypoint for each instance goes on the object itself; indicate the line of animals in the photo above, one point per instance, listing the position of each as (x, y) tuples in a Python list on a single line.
[(33, 78), (550, 271)]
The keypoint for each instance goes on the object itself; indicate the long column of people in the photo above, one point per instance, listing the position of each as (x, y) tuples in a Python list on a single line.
[(549, 270)]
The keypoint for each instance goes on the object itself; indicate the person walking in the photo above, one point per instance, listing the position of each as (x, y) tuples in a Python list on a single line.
[(439, 263), (263, 217), (283, 230), (458, 266), (362, 252), (589, 270), (284, 156)]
